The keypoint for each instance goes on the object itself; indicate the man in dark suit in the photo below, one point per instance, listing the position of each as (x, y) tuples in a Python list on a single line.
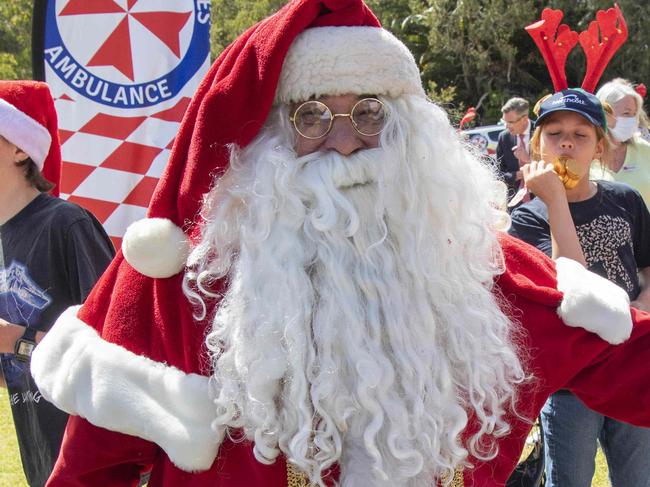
[(514, 142)]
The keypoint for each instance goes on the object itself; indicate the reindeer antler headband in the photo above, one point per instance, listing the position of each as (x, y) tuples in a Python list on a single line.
[(556, 41)]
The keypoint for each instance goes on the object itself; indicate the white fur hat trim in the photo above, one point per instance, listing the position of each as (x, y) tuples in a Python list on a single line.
[(24, 132), (155, 247), (347, 60), (113, 388), (592, 302)]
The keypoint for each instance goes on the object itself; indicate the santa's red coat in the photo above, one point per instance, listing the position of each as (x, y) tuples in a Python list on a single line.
[(610, 379)]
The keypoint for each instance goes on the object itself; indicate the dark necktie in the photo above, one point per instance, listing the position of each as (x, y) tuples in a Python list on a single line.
[(522, 143), (526, 197)]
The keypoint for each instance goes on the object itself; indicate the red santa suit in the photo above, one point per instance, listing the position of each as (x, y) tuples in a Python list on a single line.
[(558, 356), (133, 361)]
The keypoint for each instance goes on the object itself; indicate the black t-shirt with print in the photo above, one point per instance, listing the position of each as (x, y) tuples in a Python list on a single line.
[(613, 228), (52, 254)]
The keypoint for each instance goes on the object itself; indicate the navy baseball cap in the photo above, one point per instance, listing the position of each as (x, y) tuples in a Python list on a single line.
[(574, 100)]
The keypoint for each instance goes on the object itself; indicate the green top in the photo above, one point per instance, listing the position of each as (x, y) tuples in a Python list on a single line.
[(635, 170)]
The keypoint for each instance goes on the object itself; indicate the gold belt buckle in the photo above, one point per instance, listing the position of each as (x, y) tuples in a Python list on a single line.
[(295, 478), (458, 480)]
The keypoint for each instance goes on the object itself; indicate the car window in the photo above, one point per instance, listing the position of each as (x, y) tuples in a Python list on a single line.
[(494, 134)]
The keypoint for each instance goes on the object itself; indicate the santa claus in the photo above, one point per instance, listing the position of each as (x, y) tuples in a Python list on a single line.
[(340, 306)]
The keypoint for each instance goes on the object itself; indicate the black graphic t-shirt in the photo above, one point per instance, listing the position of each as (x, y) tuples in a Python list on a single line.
[(52, 254), (613, 228)]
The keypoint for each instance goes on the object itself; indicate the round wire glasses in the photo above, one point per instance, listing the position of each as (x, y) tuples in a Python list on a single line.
[(313, 119)]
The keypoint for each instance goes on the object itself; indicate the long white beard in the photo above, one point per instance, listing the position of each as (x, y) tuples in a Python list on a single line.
[(358, 326)]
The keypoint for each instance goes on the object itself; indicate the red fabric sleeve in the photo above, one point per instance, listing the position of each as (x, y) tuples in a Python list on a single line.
[(115, 459), (611, 379), (617, 382)]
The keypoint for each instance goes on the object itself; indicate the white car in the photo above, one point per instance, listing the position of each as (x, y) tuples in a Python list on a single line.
[(485, 138)]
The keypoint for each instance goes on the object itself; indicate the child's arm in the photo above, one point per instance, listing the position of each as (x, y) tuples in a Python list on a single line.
[(545, 184), (642, 301)]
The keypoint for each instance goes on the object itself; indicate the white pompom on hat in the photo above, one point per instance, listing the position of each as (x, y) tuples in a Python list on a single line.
[(155, 247)]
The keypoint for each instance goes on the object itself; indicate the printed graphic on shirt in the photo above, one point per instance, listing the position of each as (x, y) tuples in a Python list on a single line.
[(601, 240), (21, 300)]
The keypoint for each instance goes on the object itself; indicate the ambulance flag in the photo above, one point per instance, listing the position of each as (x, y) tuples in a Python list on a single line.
[(122, 73)]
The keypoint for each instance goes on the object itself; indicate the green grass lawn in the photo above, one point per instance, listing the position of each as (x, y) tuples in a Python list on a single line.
[(600, 476), (11, 471)]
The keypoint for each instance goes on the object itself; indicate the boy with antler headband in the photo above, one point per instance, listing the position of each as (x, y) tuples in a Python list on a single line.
[(604, 226)]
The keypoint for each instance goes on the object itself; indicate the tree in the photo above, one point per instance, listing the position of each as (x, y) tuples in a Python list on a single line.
[(476, 52), (15, 39), (230, 18)]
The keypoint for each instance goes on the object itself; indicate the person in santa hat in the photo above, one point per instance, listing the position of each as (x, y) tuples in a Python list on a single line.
[(51, 254), (322, 294)]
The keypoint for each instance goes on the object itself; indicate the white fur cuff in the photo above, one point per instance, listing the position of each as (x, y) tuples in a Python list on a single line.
[(347, 60), (592, 302), (115, 389)]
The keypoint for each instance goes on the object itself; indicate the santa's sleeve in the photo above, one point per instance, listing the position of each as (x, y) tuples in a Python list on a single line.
[(616, 381), (610, 378), (602, 356), (131, 360), (118, 460)]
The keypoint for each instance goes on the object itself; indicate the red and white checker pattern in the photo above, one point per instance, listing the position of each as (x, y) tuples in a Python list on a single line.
[(111, 164)]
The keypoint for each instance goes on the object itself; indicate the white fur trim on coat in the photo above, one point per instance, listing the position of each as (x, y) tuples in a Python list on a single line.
[(24, 132), (115, 389), (592, 302), (347, 60), (155, 247)]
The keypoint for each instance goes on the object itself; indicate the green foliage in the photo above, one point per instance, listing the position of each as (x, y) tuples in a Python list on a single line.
[(481, 49), (11, 469), (230, 18), (446, 97), (15, 39), (471, 47), (8, 66)]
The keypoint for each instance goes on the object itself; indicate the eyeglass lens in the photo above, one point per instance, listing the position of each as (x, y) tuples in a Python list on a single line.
[(511, 122), (313, 119)]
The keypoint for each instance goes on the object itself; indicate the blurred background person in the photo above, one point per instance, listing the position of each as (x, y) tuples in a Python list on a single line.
[(644, 121), (514, 143), (629, 160)]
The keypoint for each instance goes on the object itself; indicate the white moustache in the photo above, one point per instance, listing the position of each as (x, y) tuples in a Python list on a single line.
[(357, 169)]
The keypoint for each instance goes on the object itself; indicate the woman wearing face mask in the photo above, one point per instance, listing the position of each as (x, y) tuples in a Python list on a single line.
[(629, 161)]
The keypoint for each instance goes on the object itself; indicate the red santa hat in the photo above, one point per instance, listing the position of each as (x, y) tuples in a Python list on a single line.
[(28, 120), (309, 49)]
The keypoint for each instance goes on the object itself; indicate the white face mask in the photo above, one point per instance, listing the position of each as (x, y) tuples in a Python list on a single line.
[(625, 128)]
